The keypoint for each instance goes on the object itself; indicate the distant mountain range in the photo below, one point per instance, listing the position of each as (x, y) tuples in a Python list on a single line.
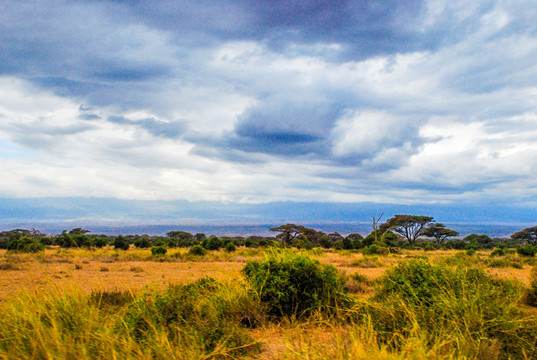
[(113, 216)]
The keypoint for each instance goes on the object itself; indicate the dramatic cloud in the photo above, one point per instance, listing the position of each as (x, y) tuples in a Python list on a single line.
[(252, 101)]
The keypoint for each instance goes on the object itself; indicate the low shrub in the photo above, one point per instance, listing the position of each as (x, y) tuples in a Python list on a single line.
[(121, 243), (230, 247), (158, 250), (197, 250), (100, 242), (142, 243), (295, 285), (25, 244), (498, 252), (375, 249), (212, 243), (464, 305), (527, 250), (204, 314), (470, 251)]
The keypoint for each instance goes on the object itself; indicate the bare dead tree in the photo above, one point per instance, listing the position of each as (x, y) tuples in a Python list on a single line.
[(375, 222)]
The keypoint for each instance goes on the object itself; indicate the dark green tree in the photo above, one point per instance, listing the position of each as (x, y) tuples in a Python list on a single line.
[(528, 235), (481, 241), (288, 232), (121, 242), (212, 243), (439, 232), (408, 226), (78, 231)]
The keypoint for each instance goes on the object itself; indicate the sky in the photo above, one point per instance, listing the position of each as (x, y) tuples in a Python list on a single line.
[(255, 102)]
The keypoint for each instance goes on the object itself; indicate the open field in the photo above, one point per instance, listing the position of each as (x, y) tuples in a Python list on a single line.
[(132, 270), (70, 276)]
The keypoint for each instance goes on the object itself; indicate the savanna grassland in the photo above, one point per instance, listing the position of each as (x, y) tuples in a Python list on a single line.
[(266, 304)]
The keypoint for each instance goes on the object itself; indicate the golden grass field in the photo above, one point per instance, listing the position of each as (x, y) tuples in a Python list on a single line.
[(59, 270), (108, 269)]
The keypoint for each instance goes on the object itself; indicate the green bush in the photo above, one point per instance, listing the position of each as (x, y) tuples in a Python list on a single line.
[(197, 250), (375, 249), (304, 244), (25, 244), (498, 252), (65, 240), (204, 312), (528, 251), (142, 243), (465, 305), (121, 242), (81, 240), (212, 243), (230, 247), (295, 285), (100, 242), (158, 250)]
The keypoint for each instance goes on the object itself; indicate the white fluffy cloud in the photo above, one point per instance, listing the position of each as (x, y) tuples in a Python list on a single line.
[(105, 100)]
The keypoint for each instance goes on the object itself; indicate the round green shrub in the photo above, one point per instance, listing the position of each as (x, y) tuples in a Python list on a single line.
[(158, 250), (142, 243), (230, 247), (375, 249), (295, 285), (212, 243), (100, 242), (121, 242), (197, 250), (25, 244)]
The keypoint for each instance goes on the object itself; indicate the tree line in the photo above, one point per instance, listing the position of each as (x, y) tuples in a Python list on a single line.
[(400, 231)]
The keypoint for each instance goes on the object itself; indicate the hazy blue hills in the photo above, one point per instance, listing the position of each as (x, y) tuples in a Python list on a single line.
[(157, 217)]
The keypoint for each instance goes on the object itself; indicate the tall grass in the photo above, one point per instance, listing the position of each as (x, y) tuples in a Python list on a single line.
[(197, 321), (473, 314), (418, 310)]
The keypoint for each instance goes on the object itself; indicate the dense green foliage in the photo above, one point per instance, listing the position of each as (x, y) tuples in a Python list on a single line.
[(197, 250), (230, 247), (25, 244), (295, 285), (527, 250), (205, 311), (158, 250), (528, 235), (465, 307), (121, 243)]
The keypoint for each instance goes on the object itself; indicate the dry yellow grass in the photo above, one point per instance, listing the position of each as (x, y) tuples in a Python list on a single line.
[(134, 269), (89, 273)]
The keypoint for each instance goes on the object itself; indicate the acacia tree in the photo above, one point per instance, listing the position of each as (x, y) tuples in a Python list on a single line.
[(288, 232), (439, 232), (408, 226), (528, 234)]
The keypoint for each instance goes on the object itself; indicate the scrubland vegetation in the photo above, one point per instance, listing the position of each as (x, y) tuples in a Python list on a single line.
[(302, 294)]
